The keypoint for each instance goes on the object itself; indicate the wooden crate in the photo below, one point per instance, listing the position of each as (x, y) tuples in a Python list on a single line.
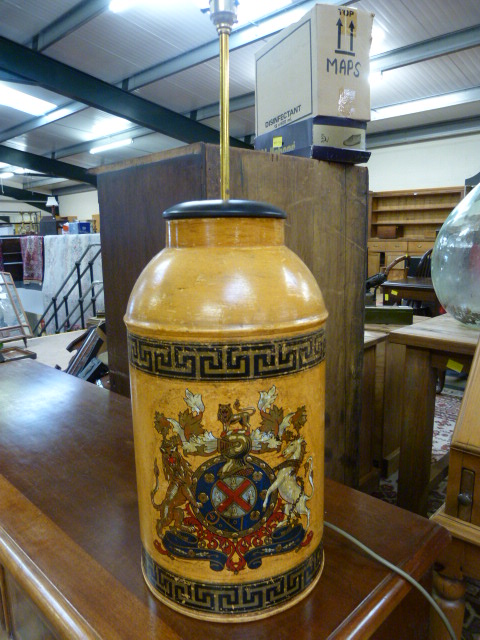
[(326, 226)]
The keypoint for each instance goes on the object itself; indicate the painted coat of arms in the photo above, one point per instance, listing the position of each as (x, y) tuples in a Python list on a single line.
[(235, 508)]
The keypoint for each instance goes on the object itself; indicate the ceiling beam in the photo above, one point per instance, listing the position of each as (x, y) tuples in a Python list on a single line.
[(41, 181), (66, 191), (5, 76), (45, 165), (70, 21), (236, 104), (450, 128), (82, 87), (203, 113), (29, 197), (427, 49)]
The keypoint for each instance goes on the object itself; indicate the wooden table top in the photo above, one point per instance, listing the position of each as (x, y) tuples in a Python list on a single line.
[(388, 328), (371, 338), (69, 526), (442, 333)]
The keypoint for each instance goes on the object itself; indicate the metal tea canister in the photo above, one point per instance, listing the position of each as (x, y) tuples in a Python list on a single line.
[(226, 338)]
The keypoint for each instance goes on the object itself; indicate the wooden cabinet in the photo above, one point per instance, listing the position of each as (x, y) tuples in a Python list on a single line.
[(326, 206), (406, 223)]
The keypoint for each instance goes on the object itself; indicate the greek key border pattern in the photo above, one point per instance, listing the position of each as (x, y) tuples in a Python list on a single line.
[(220, 361), (250, 597)]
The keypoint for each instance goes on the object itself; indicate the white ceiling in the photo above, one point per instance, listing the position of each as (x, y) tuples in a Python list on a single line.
[(165, 52)]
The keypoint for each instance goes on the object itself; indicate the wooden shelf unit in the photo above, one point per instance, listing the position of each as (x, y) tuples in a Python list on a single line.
[(413, 218)]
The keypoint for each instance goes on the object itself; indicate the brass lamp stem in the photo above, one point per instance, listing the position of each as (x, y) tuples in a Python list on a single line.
[(224, 116), (223, 15)]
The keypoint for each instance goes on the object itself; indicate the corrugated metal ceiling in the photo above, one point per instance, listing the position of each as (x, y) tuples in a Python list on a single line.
[(113, 47)]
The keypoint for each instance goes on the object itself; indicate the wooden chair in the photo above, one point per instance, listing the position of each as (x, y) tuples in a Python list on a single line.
[(424, 268)]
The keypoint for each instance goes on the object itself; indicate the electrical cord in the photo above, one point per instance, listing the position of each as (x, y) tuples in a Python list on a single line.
[(400, 572)]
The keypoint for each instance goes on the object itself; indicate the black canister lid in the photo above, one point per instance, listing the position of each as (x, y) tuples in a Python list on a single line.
[(223, 209)]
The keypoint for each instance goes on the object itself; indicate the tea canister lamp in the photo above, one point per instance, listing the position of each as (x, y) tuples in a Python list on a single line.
[(226, 338)]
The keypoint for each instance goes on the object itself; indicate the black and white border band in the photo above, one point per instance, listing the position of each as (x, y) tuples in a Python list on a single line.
[(231, 361), (246, 598)]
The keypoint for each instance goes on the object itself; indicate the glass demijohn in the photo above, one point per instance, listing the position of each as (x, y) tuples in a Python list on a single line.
[(456, 261)]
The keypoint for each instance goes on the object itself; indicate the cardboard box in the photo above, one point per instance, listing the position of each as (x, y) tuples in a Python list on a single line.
[(79, 227), (316, 67)]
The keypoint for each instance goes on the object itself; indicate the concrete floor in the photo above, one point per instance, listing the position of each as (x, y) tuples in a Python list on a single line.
[(51, 350)]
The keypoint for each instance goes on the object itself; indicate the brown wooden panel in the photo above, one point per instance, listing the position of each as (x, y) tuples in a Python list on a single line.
[(326, 207), (393, 393), (416, 440), (132, 201), (353, 312), (367, 424)]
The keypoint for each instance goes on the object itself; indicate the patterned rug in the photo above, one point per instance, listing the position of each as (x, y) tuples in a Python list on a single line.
[(32, 257), (447, 406)]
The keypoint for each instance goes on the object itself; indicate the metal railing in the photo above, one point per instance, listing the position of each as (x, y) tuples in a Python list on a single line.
[(86, 299)]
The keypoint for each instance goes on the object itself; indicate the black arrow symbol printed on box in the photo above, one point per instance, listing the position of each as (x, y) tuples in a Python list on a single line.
[(339, 34), (351, 27)]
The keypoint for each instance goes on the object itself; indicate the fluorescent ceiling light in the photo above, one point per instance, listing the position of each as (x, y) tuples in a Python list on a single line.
[(122, 5), (375, 78), (109, 126), (118, 5), (252, 10), (24, 102), (6, 174), (62, 113), (426, 104), (275, 23), (378, 37), (111, 145)]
